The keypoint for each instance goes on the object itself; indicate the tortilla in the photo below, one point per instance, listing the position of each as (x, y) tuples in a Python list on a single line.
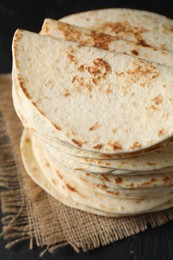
[(65, 31), (142, 27), (142, 84), (107, 206)]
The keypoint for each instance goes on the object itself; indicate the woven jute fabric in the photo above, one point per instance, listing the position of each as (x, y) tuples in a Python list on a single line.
[(29, 213)]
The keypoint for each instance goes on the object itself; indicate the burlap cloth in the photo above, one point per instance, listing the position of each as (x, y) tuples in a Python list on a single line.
[(29, 213)]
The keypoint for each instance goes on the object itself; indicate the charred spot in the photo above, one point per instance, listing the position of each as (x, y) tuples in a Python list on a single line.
[(166, 179), (56, 126), (135, 145), (118, 180), (72, 58), (77, 142), (27, 140), (135, 52), (79, 169), (105, 178), (98, 146), (113, 192), (101, 40), (122, 28), (71, 188), (94, 127), (70, 32), (158, 100), (131, 184), (151, 163), (66, 93), (81, 68), (161, 132), (143, 43), (115, 145), (54, 181), (47, 164), (107, 164), (58, 173), (21, 83)]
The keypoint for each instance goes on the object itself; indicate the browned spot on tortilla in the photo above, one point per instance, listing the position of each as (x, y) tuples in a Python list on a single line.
[(94, 127), (81, 68), (79, 84), (46, 27), (119, 74), (77, 142), (101, 40), (71, 188), (122, 207), (121, 28), (153, 179), (144, 43), (99, 162), (135, 145), (54, 181), (145, 183), (27, 140), (79, 169), (41, 112), (139, 201), (56, 126), (151, 163), (143, 73), (66, 93), (153, 107), (105, 177), (98, 146), (167, 28), (88, 174), (34, 169), (113, 192), (104, 187), (131, 184), (107, 164), (158, 100), (99, 70), (166, 179), (115, 145), (108, 90), (71, 58), (88, 159), (114, 130), (70, 32), (21, 83), (118, 180), (58, 173), (49, 84), (135, 52), (18, 36), (161, 132), (47, 164)]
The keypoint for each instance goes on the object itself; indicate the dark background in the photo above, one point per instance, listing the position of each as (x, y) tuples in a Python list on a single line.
[(156, 244)]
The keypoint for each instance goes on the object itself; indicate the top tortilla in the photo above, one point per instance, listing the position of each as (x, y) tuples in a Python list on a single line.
[(105, 102), (144, 28)]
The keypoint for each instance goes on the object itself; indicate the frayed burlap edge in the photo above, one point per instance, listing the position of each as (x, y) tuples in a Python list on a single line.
[(31, 214)]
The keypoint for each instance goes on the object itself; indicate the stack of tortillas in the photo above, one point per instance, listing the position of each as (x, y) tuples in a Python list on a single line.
[(94, 92)]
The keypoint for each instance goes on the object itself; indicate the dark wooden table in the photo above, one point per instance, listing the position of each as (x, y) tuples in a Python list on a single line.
[(156, 244)]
